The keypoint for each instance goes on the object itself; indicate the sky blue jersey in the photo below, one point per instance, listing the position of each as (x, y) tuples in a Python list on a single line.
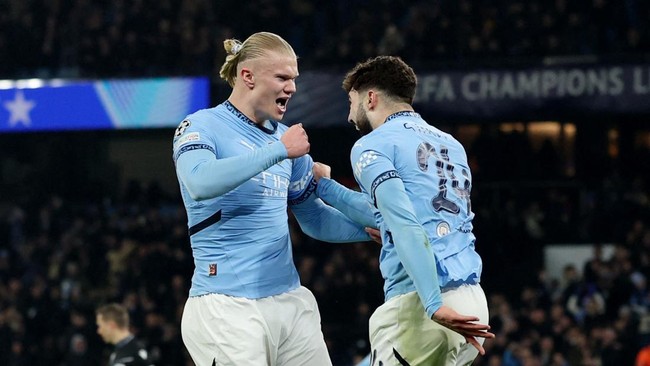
[(236, 182), (406, 155)]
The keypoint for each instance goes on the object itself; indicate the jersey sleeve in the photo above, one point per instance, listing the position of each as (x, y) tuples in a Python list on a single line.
[(204, 174), (302, 184), (372, 164), (351, 203), (316, 219), (192, 136), (325, 223), (377, 175)]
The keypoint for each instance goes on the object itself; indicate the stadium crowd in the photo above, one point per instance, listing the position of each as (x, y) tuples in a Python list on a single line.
[(92, 38), (61, 257)]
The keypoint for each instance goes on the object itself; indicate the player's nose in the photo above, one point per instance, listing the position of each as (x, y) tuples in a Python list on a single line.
[(290, 87)]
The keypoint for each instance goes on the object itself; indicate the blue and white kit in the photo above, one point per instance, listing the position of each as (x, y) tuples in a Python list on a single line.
[(236, 182)]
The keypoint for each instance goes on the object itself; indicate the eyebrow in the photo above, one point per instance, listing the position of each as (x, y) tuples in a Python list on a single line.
[(286, 75)]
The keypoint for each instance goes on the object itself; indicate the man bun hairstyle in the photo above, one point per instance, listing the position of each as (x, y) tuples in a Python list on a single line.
[(257, 45)]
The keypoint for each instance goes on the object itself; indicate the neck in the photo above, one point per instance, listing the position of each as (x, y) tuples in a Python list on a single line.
[(239, 99), (383, 113), (120, 336)]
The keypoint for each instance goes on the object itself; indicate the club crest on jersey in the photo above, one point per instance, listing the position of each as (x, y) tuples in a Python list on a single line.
[(182, 127), (212, 269), (443, 229)]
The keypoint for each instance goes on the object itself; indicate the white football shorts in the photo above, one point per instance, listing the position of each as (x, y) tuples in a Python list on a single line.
[(281, 330), (402, 334)]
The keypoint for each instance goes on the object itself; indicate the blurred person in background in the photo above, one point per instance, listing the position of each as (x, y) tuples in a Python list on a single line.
[(239, 169), (113, 326), (416, 184)]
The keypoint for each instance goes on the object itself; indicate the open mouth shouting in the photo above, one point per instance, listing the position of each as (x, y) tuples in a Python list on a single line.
[(282, 104)]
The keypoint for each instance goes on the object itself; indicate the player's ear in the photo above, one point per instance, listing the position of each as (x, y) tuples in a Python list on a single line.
[(373, 98), (247, 77)]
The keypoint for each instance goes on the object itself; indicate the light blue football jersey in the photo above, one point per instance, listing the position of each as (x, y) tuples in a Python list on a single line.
[(240, 239), (435, 173)]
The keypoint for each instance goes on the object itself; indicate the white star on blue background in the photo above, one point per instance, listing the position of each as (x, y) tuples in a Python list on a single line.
[(19, 109)]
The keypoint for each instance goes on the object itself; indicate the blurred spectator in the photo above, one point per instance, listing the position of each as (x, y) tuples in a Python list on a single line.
[(138, 38)]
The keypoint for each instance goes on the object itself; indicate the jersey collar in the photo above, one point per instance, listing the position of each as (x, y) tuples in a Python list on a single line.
[(402, 114), (229, 106), (124, 341)]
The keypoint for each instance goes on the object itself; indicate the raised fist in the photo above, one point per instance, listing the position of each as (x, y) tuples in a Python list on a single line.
[(295, 140)]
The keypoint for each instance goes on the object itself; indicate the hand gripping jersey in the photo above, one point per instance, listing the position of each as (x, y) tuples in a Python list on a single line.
[(240, 239)]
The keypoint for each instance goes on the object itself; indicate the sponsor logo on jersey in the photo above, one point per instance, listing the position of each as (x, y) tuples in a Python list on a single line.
[(247, 144), (305, 194), (192, 136), (300, 184)]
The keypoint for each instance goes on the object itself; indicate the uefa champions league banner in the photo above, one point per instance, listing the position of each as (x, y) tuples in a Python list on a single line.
[(547, 92), (55, 105), (496, 94)]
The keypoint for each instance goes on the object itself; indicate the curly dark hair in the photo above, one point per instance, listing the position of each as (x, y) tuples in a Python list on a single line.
[(387, 73)]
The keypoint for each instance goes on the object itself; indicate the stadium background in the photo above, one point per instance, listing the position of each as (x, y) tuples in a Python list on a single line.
[(93, 216)]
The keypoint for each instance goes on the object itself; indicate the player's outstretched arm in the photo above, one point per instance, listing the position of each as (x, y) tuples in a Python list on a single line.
[(351, 203), (325, 223)]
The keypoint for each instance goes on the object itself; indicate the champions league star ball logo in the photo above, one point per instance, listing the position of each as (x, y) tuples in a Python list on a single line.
[(182, 127)]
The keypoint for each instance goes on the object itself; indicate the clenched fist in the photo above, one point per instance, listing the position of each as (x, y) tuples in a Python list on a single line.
[(296, 142), (321, 170)]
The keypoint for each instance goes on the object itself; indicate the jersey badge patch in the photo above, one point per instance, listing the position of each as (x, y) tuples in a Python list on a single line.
[(192, 136), (182, 127), (443, 229), (212, 269)]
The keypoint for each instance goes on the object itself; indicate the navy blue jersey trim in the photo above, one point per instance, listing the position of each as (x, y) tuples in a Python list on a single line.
[(381, 179), (230, 107), (192, 147), (303, 197), (402, 114), (205, 223)]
